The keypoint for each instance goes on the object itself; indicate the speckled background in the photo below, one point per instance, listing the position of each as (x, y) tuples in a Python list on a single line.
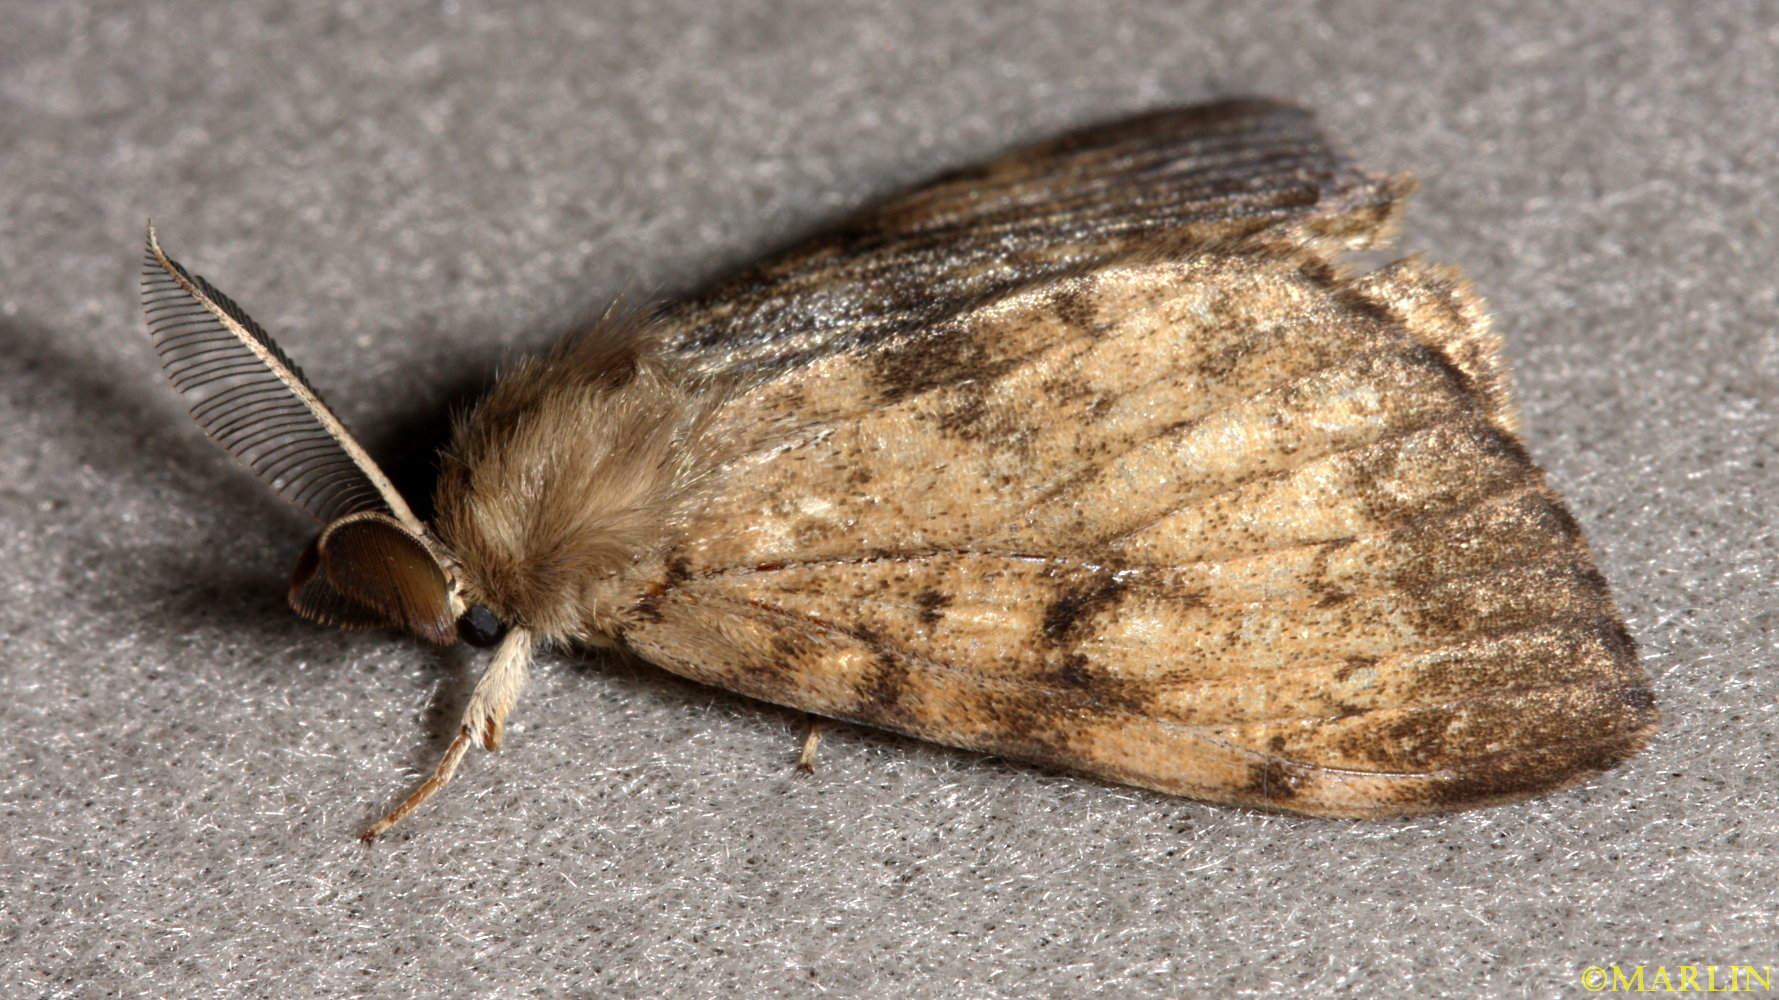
[(406, 193)]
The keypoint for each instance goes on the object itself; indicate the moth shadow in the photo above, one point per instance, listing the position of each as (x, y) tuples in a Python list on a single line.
[(88, 405), (460, 666), (120, 424), (215, 595), (408, 447)]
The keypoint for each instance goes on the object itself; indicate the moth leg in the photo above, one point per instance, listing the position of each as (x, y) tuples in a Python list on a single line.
[(484, 722), (812, 741), (486, 716)]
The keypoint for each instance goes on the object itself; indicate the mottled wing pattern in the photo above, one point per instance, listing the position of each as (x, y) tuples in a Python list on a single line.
[(1233, 526), (1186, 176)]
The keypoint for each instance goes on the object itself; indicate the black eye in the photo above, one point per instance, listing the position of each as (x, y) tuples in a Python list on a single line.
[(480, 628)]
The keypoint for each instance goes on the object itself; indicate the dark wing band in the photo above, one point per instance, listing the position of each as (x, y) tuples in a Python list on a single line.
[(1187, 177)]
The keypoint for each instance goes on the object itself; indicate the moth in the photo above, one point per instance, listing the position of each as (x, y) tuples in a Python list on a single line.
[(1095, 455)]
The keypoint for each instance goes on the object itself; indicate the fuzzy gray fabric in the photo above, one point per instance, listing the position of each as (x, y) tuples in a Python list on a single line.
[(408, 192)]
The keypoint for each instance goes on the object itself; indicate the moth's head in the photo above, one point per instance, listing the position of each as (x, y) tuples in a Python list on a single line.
[(374, 564)]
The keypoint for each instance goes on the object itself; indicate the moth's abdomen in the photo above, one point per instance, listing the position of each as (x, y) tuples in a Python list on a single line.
[(1231, 528)]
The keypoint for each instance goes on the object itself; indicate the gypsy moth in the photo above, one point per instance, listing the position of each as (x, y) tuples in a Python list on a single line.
[(1094, 455)]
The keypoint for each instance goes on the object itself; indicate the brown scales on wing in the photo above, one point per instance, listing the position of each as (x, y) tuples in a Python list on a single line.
[(1232, 530), (1196, 176)]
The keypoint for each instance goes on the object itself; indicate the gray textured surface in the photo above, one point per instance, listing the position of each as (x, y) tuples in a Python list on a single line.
[(405, 193)]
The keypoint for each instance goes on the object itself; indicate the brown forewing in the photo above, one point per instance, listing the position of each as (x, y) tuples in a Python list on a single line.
[(1183, 176), (1233, 526)]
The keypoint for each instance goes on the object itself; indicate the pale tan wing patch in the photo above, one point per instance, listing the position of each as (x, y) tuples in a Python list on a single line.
[(1119, 395), (1232, 527)]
